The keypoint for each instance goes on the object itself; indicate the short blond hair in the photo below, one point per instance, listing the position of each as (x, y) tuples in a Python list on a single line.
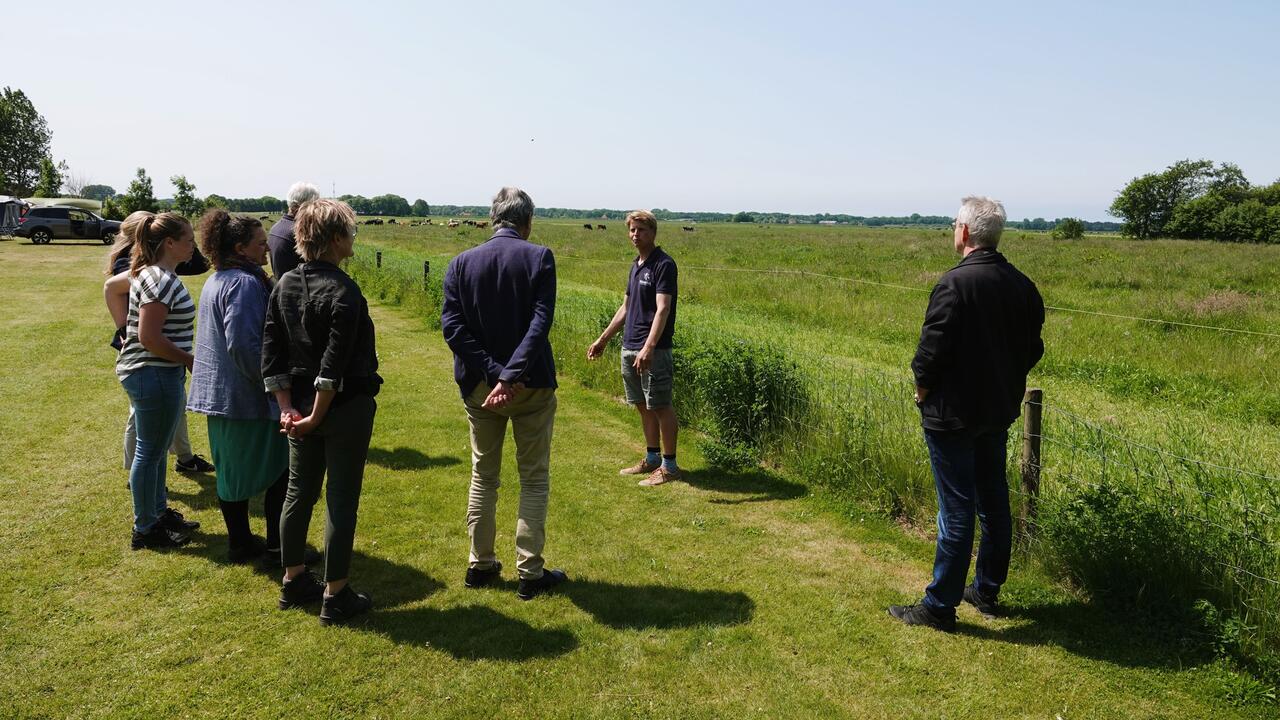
[(643, 217), (320, 223)]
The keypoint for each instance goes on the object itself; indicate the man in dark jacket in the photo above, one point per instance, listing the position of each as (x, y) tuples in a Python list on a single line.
[(280, 241), (499, 300), (981, 337)]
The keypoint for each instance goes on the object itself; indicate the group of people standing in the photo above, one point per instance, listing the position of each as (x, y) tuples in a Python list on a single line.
[(285, 369)]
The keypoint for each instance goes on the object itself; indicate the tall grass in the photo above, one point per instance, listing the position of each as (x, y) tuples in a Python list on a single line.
[(1159, 522)]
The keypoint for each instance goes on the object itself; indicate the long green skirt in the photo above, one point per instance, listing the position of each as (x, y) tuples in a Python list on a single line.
[(249, 455)]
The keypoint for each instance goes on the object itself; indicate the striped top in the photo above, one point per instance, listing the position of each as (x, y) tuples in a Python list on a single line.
[(155, 284)]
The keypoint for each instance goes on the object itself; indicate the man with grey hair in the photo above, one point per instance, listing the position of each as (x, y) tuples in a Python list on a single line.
[(499, 300), (284, 257), (981, 337)]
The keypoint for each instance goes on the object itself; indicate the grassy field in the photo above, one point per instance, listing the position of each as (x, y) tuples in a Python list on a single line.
[(1161, 452), (739, 593)]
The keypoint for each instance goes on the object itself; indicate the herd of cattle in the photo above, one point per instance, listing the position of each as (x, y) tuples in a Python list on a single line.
[(473, 223)]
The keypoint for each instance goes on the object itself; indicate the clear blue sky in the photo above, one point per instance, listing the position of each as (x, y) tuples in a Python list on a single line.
[(865, 108)]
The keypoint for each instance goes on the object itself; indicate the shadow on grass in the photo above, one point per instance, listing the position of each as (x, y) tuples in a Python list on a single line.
[(471, 633), (639, 607), (404, 458), (1100, 633), (206, 494), (757, 484)]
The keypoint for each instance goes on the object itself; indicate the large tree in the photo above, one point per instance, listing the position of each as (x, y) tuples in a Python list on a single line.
[(50, 182), (184, 197), (24, 142), (421, 208), (139, 196)]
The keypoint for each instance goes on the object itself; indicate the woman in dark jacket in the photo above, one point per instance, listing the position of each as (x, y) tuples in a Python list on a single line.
[(318, 358)]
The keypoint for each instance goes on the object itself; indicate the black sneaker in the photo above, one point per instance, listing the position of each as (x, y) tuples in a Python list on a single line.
[(303, 589), (242, 554), (477, 578), (344, 606), (195, 464), (920, 615), (988, 607), (530, 589), (158, 537), (174, 520)]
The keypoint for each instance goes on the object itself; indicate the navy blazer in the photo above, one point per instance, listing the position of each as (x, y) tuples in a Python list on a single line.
[(499, 300)]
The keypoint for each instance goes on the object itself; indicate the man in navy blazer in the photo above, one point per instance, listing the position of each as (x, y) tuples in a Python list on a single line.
[(499, 301)]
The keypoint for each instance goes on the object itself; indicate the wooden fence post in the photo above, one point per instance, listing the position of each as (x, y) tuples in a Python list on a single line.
[(1032, 411), (379, 258), (426, 271)]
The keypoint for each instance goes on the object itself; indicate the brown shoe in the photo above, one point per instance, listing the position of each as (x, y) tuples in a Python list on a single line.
[(641, 468), (660, 476)]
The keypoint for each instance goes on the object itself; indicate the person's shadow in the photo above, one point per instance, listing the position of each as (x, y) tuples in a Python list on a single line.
[(406, 458), (472, 632), (206, 494), (757, 484), (1110, 634), (639, 607)]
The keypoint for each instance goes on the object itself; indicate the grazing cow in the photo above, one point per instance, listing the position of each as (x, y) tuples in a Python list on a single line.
[(482, 224), (599, 227), (454, 223), (586, 226), (265, 217), (687, 228), (392, 221)]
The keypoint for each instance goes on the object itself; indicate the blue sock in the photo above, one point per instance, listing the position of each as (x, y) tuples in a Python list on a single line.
[(651, 456), (669, 463)]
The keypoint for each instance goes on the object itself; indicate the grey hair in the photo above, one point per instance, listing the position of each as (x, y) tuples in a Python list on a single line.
[(985, 218), (512, 207), (299, 193)]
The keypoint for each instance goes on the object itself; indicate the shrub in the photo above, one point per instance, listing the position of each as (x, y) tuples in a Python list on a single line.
[(1068, 229)]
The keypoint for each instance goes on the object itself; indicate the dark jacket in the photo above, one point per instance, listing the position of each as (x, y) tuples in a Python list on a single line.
[(197, 265), (499, 300), (284, 257), (318, 336), (981, 337)]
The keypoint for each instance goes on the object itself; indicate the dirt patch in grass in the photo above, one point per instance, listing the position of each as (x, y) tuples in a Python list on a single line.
[(1219, 302)]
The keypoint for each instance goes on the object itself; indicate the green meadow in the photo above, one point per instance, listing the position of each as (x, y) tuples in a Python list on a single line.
[(755, 589)]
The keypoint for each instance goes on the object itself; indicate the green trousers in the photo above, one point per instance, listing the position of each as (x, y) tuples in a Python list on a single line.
[(339, 446)]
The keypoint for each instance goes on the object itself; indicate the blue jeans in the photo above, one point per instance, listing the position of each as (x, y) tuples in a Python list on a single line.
[(156, 396), (969, 474)]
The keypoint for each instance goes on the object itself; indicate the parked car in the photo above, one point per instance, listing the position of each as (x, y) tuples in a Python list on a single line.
[(57, 222)]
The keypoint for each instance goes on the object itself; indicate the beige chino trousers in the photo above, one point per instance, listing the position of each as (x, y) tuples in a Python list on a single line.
[(532, 414)]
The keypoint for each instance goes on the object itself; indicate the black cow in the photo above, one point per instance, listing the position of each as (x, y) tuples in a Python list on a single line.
[(586, 226), (599, 227), (687, 228)]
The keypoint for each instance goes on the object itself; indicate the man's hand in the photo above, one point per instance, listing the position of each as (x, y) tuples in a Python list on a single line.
[(502, 394), (921, 394), (643, 360), (596, 349)]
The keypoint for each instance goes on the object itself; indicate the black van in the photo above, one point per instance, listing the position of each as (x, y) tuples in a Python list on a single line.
[(43, 224)]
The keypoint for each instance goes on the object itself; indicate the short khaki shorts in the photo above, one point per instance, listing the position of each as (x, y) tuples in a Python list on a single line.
[(652, 388)]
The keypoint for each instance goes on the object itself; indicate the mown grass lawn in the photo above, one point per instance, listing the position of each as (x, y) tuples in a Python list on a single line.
[(732, 595)]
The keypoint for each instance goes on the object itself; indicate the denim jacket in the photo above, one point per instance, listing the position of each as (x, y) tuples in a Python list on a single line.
[(226, 379), (318, 336)]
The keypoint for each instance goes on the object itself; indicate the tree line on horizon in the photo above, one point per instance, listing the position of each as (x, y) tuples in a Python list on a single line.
[(1196, 200)]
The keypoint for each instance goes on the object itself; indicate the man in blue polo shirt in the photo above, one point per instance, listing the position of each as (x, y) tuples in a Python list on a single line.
[(647, 318)]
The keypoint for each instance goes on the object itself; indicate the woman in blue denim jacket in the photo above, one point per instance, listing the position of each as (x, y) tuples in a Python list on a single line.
[(250, 453)]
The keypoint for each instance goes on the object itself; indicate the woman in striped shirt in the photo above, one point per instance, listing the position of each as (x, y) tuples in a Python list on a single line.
[(152, 367)]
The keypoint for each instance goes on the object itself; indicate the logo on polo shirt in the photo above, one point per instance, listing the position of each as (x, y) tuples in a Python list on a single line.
[(645, 277)]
